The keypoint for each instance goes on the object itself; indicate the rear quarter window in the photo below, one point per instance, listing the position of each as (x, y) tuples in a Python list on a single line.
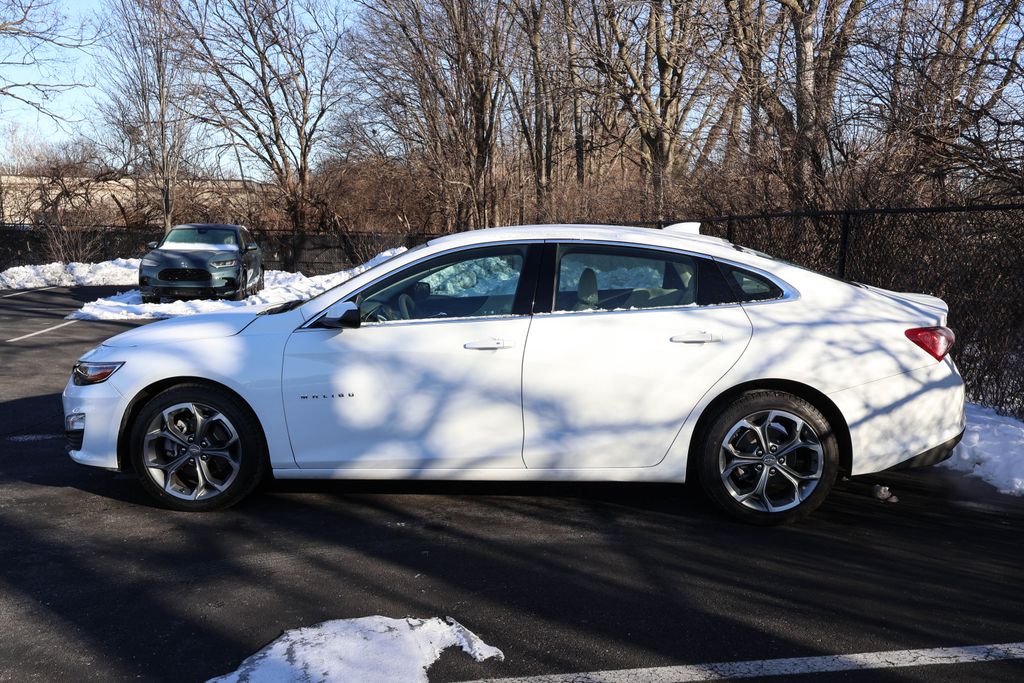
[(748, 286)]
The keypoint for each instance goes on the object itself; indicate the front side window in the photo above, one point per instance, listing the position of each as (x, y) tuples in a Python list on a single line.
[(480, 282), (611, 278)]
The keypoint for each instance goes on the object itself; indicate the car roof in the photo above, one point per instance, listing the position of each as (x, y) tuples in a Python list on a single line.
[(223, 226), (606, 233)]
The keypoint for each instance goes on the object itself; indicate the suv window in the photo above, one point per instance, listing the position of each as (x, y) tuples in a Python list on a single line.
[(593, 277), (474, 283)]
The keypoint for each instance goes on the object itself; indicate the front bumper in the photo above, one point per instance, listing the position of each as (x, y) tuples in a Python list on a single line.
[(219, 285), (102, 406)]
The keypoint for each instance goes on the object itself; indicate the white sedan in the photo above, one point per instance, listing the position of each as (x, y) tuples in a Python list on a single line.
[(563, 353)]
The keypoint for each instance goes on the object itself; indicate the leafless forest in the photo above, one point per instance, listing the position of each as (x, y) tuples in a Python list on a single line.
[(425, 116)]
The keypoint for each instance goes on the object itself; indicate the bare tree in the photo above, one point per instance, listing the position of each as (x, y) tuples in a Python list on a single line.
[(270, 77), (34, 38), (434, 76), (659, 59), (146, 80)]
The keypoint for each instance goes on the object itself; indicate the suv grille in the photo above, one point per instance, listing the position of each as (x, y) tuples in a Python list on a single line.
[(184, 275)]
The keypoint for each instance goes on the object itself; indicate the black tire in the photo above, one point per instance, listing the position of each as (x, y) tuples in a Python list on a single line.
[(242, 292), (758, 485), (246, 457), (258, 287), (150, 299)]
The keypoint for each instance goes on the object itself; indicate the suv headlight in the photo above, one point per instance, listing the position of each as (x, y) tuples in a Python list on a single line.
[(151, 262), (92, 373), (227, 263)]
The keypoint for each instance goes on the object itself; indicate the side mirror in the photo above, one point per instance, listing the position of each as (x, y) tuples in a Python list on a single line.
[(340, 315), (151, 245), (252, 246)]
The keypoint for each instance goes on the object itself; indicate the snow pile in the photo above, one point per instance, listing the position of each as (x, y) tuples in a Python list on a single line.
[(279, 287), (122, 271), (367, 650), (992, 449)]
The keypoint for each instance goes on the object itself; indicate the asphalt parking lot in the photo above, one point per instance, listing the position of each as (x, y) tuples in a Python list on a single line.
[(96, 584)]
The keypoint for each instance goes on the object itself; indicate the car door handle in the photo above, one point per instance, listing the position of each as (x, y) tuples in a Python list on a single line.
[(696, 338), (488, 344)]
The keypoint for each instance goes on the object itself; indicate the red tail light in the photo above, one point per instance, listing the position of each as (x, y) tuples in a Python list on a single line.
[(937, 341)]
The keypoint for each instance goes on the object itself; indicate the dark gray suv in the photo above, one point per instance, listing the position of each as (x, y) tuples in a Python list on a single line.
[(201, 260)]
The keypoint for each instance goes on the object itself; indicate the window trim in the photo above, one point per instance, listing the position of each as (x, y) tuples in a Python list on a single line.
[(550, 275)]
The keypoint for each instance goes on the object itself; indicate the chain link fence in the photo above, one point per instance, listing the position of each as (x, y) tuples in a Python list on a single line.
[(972, 257)]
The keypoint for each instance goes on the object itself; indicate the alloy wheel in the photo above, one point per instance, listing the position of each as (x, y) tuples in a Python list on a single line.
[(771, 461), (192, 451)]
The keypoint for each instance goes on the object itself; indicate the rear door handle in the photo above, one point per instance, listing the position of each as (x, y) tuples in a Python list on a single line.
[(700, 337), (488, 344)]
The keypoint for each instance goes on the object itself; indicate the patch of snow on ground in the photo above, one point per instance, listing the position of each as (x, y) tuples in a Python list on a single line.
[(278, 287), (992, 449), (367, 650), (122, 271)]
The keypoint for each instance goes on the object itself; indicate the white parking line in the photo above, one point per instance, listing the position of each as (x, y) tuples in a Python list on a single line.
[(787, 667), (28, 291), (48, 329)]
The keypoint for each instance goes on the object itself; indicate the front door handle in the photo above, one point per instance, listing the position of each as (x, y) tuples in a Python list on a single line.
[(488, 344), (700, 337)]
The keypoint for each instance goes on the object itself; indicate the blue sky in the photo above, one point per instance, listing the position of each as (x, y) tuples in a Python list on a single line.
[(74, 105)]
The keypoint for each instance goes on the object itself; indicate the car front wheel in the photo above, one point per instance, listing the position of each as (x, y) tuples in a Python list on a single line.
[(197, 448), (769, 458)]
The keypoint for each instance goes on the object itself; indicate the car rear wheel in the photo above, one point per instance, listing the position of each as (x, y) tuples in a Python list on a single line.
[(769, 458), (197, 448)]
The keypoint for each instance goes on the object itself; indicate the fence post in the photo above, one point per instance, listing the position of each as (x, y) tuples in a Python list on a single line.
[(730, 229), (844, 244)]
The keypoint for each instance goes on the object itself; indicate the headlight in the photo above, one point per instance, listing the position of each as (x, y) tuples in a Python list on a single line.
[(150, 262), (224, 264), (92, 373)]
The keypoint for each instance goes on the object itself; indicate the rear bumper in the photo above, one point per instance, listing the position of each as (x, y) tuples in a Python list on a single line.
[(932, 456), (901, 418)]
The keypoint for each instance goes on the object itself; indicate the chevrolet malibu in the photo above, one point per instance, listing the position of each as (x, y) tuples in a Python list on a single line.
[(564, 353)]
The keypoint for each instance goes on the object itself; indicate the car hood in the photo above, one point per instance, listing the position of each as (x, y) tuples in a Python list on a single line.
[(188, 328), (190, 258)]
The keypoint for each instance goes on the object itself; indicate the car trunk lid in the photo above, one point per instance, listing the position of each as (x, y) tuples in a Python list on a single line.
[(933, 309)]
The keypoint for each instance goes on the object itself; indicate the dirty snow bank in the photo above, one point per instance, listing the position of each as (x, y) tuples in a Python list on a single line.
[(992, 449), (122, 271), (368, 650), (279, 287)]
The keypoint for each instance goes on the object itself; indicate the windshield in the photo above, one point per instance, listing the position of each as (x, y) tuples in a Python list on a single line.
[(200, 235), (377, 264)]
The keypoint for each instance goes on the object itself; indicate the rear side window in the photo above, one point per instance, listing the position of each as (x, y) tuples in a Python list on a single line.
[(597, 277), (748, 286)]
